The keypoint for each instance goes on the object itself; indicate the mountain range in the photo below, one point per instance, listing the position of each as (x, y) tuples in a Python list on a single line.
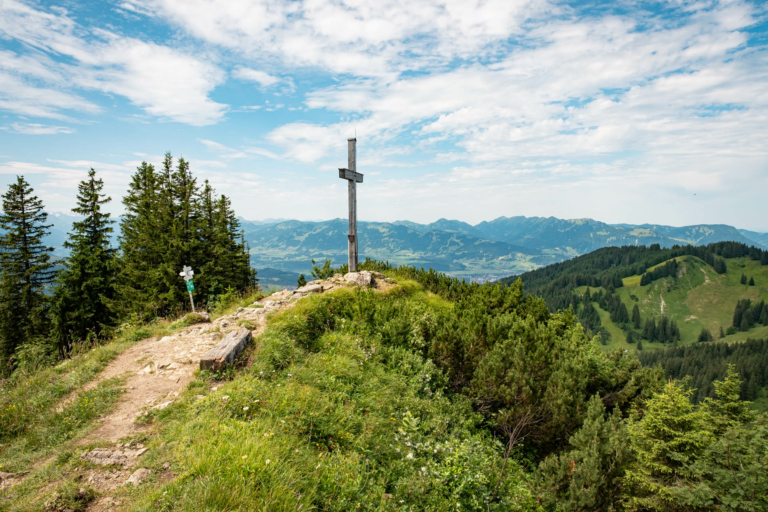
[(488, 250)]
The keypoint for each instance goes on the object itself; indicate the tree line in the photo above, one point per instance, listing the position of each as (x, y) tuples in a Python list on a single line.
[(703, 363), (170, 220)]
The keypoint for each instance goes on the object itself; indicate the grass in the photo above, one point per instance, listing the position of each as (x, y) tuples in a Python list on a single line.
[(698, 298), (330, 417)]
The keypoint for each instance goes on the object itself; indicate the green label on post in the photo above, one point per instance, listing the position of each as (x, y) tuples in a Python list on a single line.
[(190, 286)]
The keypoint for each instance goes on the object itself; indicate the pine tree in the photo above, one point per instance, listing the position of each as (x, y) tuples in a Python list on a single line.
[(636, 317), (751, 281), (722, 333), (665, 441), (302, 281), (25, 269), (588, 475), (630, 336), (141, 233), (86, 285), (640, 344), (727, 409), (743, 279), (744, 327)]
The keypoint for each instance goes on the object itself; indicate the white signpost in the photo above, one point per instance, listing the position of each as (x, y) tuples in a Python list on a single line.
[(187, 274), (353, 178)]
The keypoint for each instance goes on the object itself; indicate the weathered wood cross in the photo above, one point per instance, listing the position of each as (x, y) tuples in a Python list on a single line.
[(353, 177)]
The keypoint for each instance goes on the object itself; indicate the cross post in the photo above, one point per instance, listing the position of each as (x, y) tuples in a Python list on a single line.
[(353, 178)]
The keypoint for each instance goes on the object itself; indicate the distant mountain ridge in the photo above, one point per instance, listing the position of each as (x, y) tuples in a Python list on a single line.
[(488, 250)]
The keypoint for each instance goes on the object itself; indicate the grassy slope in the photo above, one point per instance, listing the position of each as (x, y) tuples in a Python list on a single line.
[(351, 423), (38, 428), (698, 298)]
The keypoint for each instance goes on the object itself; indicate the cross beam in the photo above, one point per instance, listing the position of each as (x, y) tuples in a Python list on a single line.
[(353, 178)]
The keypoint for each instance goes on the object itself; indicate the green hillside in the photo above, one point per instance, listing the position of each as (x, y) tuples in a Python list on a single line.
[(680, 283), (697, 298)]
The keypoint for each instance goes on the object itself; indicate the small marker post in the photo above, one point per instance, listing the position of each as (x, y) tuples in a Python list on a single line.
[(187, 274)]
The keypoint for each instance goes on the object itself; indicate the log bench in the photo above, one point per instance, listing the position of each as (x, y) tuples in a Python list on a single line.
[(227, 350)]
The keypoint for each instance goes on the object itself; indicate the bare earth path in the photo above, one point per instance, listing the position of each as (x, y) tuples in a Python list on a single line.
[(157, 371)]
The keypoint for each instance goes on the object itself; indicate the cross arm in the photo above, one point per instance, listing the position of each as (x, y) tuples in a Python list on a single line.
[(346, 174)]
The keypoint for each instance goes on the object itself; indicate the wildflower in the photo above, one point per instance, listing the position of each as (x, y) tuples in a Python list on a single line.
[(245, 457), (225, 397), (409, 456), (378, 447), (267, 461)]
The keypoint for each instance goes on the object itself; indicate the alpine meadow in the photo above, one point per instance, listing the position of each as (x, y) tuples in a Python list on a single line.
[(444, 255)]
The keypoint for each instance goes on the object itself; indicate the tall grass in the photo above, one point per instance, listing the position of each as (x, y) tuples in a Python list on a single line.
[(334, 416)]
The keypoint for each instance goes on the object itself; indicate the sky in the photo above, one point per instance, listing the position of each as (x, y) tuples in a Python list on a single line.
[(625, 112)]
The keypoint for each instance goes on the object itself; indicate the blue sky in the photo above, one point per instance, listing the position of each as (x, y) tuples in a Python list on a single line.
[(620, 111)]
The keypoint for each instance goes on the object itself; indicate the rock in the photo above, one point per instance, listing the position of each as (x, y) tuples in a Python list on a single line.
[(310, 288), (106, 457), (141, 451), (139, 477), (361, 279), (224, 324), (163, 405), (10, 479), (166, 466)]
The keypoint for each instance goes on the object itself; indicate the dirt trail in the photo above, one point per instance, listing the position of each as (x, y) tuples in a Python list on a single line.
[(157, 370), (663, 304)]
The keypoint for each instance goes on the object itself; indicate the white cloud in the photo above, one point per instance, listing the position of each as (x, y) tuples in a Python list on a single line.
[(38, 129), (163, 81), (254, 75)]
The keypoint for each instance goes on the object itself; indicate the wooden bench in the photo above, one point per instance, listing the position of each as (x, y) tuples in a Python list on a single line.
[(227, 350)]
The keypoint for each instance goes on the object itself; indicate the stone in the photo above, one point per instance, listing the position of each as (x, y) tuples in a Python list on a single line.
[(106, 457), (139, 477), (310, 288), (361, 279), (10, 479), (163, 405)]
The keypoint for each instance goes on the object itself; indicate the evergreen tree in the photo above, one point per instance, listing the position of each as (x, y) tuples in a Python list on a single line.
[(744, 323), (665, 441), (25, 269), (751, 281), (719, 266), (86, 285), (141, 235), (722, 333), (743, 279), (302, 281), (764, 258), (640, 344), (630, 336), (727, 409), (705, 335), (588, 475), (636, 317)]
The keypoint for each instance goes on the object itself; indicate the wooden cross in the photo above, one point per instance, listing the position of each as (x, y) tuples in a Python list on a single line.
[(353, 178)]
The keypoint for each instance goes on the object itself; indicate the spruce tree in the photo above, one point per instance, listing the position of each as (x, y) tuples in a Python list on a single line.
[(665, 442), (25, 269), (636, 317), (751, 281), (722, 333), (743, 279), (141, 235), (588, 475), (86, 286)]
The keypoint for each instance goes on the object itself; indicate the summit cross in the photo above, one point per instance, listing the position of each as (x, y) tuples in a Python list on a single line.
[(353, 178)]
